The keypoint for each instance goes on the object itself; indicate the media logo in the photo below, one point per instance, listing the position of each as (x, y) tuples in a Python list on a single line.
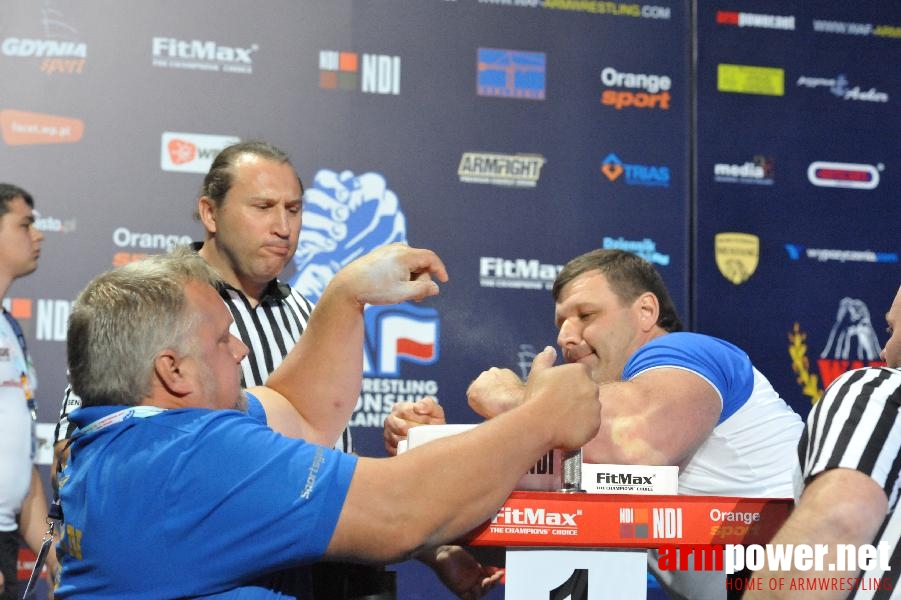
[(798, 251), (747, 79), (645, 248), (838, 86), (191, 152), (202, 55), (852, 344), (743, 19), (518, 273), (507, 170), (511, 74), (346, 216), (635, 174), (737, 255), (760, 171), (368, 73), (653, 90), (21, 128), (853, 176), (653, 523)]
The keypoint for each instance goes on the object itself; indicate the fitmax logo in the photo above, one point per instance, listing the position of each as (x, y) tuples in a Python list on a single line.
[(535, 516), (624, 479)]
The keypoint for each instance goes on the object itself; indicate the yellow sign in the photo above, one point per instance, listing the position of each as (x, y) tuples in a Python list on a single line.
[(744, 79), (737, 255)]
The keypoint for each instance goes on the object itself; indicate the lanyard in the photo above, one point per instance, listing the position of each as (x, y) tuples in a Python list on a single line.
[(136, 412)]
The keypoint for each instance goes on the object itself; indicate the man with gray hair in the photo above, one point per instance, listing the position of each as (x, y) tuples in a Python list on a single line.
[(179, 484)]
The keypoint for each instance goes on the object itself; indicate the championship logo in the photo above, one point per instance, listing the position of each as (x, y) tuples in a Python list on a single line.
[(737, 255), (346, 216), (852, 344)]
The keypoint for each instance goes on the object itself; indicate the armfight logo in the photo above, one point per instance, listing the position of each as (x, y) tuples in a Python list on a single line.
[(346, 216), (852, 343)]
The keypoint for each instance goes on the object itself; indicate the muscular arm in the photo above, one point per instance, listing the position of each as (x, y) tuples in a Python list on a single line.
[(313, 392), (441, 490), (658, 418), (840, 506)]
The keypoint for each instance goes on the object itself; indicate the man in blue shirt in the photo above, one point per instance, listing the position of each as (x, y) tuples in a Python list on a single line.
[(180, 485)]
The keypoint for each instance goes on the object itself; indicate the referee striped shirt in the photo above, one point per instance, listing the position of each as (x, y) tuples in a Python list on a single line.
[(269, 330), (857, 425)]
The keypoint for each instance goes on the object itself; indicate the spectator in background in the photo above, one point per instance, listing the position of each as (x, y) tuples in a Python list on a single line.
[(23, 506)]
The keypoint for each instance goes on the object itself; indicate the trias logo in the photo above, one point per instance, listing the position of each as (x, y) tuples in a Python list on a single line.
[(368, 73), (202, 55), (656, 523), (400, 333), (636, 90), (539, 517), (853, 176), (191, 152), (648, 175)]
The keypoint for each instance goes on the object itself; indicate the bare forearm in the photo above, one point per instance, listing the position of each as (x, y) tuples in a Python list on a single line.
[(441, 490), (322, 375)]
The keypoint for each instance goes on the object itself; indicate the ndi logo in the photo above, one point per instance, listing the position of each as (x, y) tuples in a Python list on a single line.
[(374, 73)]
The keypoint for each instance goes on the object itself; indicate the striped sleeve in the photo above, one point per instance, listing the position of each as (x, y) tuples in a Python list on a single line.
[(856, 425)]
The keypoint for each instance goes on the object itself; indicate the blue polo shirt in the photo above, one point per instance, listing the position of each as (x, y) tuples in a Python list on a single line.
[(194, 502)]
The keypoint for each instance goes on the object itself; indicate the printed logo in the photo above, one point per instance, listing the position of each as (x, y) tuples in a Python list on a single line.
[(399, 333), (511, 74), (852, 344), (59, 50), (518, 273), (798, 251), (737, 255), (653, 90), (742, 19), (508, 170), (844, 175), (654, 523), (22, 128), (42, 319), (746, 79), (368, 73), (846, 28), (524, 358), (646, 248), (347, 216), (52, 224), (191, 152), (760, 171), (538, 521), (202, 55), (597, 7), (147, 243), (654, 176), (838, 86)]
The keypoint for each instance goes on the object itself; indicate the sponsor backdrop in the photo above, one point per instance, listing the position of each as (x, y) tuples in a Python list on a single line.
[(747, 149)]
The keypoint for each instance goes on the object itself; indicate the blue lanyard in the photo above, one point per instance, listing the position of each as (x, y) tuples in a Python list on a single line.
[(132, 412)]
